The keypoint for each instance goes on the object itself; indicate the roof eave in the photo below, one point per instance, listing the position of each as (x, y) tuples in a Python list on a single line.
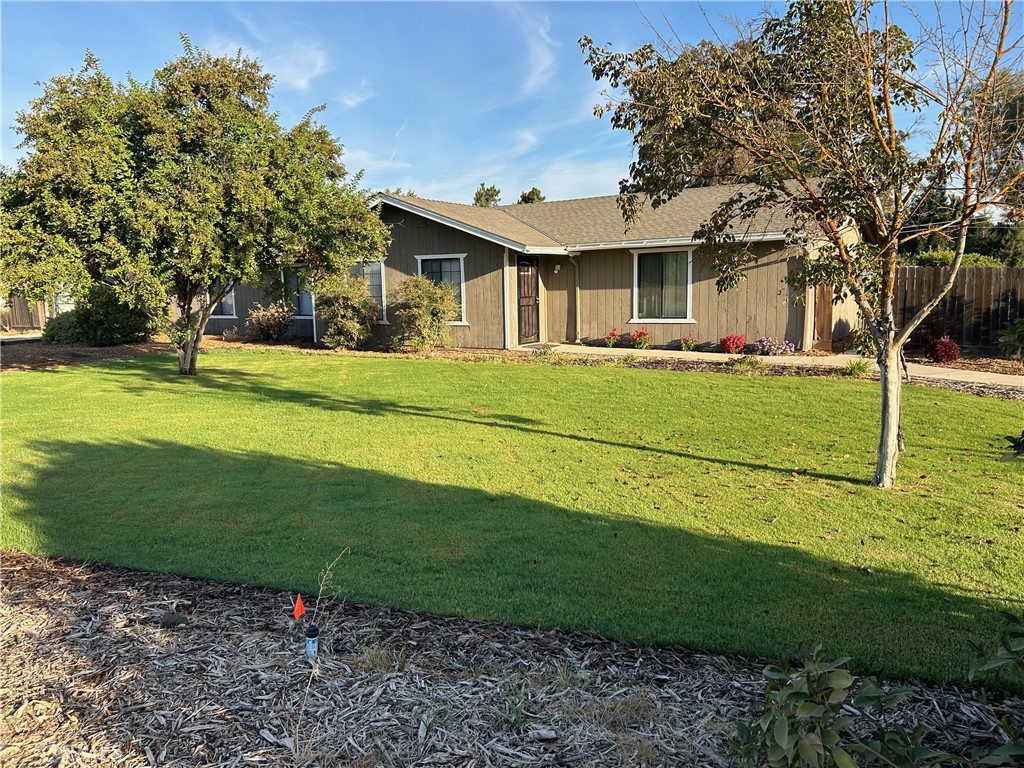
[(469, 228), (658, 242)]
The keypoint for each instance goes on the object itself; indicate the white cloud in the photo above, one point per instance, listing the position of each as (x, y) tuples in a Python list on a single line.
[(361, 159), (541, 62), (353, 97), (293, 64)]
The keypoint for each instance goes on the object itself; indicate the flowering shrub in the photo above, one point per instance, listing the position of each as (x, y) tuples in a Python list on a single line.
[(688, 343), (942, 350), (269, 323), (641, 338), (733, 343), (612, 337), (766, 345)]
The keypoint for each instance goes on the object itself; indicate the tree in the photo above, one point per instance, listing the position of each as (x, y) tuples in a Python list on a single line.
[(824, 103), (486, 197), (173, 190), (398, 191), (533, 196)]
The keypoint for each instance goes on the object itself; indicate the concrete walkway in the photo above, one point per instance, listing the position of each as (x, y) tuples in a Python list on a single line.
[(916, 370), (21, 338)]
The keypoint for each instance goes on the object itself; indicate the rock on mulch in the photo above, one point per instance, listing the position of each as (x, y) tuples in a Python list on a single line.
[(97, 672)]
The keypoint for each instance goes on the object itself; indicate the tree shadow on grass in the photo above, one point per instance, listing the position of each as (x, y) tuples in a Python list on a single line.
[(233, 382), (258, 518)]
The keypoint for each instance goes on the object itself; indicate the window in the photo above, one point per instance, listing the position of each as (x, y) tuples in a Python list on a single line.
[(373, 273), (661, 289), (226, 306), (300, 299), (447, 268)]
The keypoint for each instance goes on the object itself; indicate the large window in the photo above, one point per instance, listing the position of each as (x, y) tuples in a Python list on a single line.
[(373, 273), (662, 289), (226, 306), (300, 299), (447, 268)]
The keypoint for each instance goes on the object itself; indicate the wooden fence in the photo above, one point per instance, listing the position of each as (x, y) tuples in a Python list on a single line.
[(17, 314), (982, 302)]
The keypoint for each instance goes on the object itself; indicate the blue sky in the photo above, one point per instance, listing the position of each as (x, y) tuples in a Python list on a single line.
[(434, 96)]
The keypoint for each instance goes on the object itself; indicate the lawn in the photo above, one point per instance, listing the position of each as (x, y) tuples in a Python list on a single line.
[(721, 512)]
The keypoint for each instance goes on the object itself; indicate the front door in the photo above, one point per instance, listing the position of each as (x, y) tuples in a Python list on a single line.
[(529, 301)]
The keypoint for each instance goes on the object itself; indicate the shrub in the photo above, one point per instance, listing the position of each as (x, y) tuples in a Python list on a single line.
[(611, 338), (688, 343), (734, 343), (766, 345), (640, 338), (942, 350), (863, 342), (744, 364), (422, 310), (348, 311), (103, 320), (857, 368), (943, 257), (65, 328), (269, 323), (1011, 339)]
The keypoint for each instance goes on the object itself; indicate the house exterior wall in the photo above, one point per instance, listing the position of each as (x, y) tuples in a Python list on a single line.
[(558, 299), (762, 304), (246, 298), (483, 302)]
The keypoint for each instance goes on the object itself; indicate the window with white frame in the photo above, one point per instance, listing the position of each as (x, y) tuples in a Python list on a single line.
[(373, 273), (300, 298), (447, 268), (226, 306), (661, 289)]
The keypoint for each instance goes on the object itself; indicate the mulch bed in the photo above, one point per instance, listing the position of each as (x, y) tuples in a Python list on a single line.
[(94, 674)]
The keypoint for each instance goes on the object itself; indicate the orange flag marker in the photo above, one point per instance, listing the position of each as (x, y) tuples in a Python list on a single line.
[(300, 609)]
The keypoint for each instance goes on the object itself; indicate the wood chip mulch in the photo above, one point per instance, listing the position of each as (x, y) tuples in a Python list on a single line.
[(97, 672)]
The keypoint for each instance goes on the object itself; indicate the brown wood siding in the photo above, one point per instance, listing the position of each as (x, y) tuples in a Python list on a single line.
[(559, 298), (414, 235), (762, 305)]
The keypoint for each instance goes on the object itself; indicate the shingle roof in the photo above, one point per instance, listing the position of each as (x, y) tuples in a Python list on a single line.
[(599, 220), (495, 220), (594, 220)]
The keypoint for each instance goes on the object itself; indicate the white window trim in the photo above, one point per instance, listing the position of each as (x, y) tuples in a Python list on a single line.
[(234, 314), (636, 319), (312, 297), (383, 292), (462, 276)]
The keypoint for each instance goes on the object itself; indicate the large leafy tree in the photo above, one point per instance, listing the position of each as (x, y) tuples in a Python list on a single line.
[(839, 117), (174, 189)]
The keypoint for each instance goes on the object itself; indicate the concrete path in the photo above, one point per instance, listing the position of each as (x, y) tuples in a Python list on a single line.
[(916, 370), (21, 338)]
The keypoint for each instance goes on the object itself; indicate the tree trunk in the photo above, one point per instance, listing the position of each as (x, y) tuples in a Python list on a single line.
[(889, 439), (189, 352)]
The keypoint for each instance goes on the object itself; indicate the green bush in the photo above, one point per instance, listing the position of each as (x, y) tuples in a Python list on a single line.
[(857, 368), (348, 311), (421, 310), (65, 328), (102, 321), (943, 257), (269, 323), (1011, 339)]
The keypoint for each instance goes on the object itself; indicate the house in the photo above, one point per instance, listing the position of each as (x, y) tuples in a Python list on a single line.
[(566, 271)]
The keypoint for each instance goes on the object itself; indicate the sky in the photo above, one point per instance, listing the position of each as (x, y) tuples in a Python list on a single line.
[(437, 97)]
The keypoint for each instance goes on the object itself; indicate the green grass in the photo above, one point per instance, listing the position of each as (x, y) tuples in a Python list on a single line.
[(728, 513)]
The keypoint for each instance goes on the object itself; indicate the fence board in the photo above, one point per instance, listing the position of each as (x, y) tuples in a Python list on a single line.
[(981, 302)]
